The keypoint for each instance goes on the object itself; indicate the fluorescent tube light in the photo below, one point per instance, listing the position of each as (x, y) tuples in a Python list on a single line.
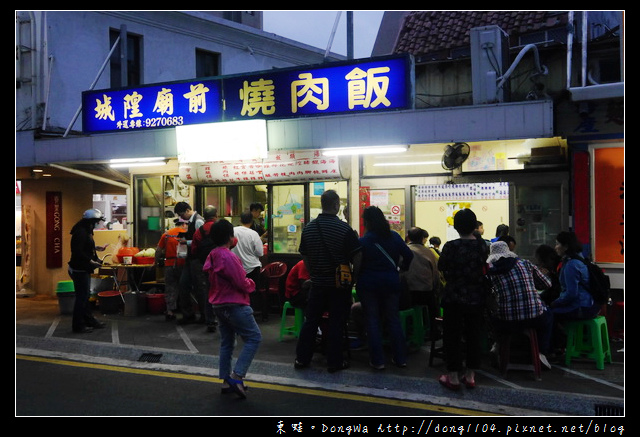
[(336, 151), (388, 164), (137, 162)]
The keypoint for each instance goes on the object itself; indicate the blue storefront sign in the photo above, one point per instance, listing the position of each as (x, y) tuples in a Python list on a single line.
[(374, 84), (149, 107)]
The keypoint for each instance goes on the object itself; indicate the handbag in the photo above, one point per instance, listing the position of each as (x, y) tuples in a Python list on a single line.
[(344, 274)]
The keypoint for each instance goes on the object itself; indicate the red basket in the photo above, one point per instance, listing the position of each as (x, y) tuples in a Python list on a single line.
[(143, 260)]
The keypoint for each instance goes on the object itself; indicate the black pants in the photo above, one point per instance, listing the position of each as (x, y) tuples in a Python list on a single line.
[(462, 321), (82, 314), (335, 301)]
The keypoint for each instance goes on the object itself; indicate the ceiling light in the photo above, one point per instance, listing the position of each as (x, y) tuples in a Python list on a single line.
[(336, 151), (386, 164), (137, 162)]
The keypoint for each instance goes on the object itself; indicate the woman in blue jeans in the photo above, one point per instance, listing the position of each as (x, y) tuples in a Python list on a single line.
[(378, 286), (229, 291)]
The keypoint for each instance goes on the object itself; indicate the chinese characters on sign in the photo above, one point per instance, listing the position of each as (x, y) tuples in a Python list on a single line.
[(166, 105), (375, 84), (326, 89), (290, 165)]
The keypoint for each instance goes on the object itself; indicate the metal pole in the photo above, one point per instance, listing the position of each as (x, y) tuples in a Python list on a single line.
[(349, 34), (104, 64)]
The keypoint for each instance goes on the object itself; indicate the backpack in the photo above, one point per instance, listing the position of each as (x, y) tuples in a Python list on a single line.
[(599, 283), (205, 245)]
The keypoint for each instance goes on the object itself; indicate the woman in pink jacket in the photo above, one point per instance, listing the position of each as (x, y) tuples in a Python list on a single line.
[(229, 290)]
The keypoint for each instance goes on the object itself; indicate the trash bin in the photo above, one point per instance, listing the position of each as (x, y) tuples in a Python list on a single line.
[(66, 296)]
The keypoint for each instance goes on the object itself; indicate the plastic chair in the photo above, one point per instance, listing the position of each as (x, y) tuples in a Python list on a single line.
[(505, 354), (297, 323), (414, 332), (589, 338), (436, 334), (271, 277)]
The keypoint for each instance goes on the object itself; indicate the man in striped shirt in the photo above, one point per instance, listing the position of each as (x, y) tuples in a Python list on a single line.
[(326, 243), (516, 283)]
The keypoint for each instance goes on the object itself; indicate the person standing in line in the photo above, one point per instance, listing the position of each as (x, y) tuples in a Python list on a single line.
[(480, 231), (463, 263), (326, 243), (249, 248), (167, 251), (384, 253), (229, 294), (187, 289), (200, 281), (84, 260), (501, 231)]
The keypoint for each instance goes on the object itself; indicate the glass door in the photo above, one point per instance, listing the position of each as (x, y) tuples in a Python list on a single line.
[(537, 218)]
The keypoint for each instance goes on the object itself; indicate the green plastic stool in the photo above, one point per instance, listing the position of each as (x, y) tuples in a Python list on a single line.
[(588, 338), (415, 335), (297, 324)]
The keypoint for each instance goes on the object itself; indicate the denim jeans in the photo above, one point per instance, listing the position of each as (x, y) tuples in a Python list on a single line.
[(237, 320), (378, 305)]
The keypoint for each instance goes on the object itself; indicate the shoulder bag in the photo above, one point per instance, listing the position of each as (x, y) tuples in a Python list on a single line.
[(344, 274)]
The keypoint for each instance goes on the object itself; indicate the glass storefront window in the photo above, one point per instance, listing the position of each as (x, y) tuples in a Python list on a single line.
[(287, 218), (232, 200)]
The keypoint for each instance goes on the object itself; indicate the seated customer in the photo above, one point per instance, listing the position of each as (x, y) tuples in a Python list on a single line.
[(515, 282), (575, 301), (297, 285)]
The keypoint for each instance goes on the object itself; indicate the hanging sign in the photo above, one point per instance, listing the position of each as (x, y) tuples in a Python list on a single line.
[(54, 229)]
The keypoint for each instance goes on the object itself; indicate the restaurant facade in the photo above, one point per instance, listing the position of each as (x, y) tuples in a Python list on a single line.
[(282, 136)]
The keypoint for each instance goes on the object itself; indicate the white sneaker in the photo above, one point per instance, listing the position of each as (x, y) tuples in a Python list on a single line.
[(544, 361)]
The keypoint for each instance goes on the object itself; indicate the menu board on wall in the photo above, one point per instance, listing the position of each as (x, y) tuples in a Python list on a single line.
[(494, 190), (436, 206)]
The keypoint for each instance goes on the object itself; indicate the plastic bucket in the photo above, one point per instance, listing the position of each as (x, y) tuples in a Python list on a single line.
[(156, 303), (135, 304), (109, 301)]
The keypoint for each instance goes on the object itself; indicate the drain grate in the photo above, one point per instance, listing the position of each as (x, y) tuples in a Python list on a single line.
[(150, 358), (608, 410)]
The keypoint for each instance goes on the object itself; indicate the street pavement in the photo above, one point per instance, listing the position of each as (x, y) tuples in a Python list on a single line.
[(149, 341)]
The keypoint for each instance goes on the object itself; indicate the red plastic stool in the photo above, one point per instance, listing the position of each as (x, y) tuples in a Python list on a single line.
[(505, 351)]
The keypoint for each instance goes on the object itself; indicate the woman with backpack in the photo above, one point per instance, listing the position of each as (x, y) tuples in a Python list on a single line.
[(575, 300)]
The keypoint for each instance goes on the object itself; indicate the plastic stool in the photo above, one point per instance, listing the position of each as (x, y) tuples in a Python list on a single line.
[(297, 324), (588, 338), (414, 335), (505, 354)]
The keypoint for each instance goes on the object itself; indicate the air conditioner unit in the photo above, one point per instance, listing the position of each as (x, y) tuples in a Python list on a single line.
[(489, 61)]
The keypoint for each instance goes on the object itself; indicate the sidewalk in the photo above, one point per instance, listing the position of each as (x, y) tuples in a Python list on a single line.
[(149, 340)]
